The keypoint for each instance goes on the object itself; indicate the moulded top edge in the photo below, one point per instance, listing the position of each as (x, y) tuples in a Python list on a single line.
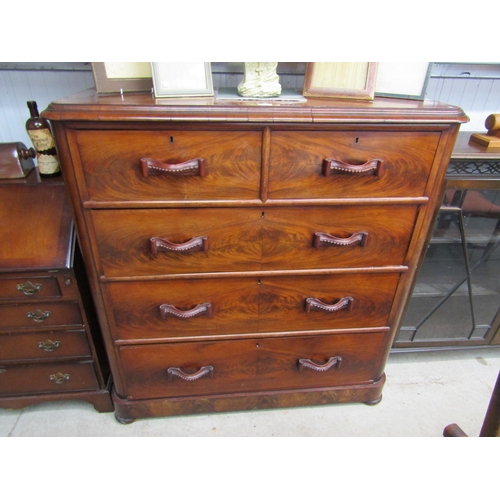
[(88, 106)]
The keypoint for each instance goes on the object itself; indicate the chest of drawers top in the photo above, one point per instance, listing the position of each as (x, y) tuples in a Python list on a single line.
[(221, 153)]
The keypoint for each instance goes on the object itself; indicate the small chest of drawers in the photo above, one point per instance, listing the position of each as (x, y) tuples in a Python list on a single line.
[(50, 347), (245, 256)]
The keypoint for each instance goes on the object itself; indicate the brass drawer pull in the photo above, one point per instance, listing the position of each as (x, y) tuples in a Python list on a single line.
[(29, 288), (38, 315), (204, 371), (49, 345), (194, 167), (370, 167), (199, 310), (198, 244), (60, 378), (316, 304), (3, 370), (325, 239), (333, 362)]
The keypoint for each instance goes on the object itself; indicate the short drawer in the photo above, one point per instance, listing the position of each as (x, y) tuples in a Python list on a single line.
[(221, 165), (40, 315), (149, 242), (47, 345), (196, 308), (356, 164), (27, 288), (47, 377), (188, 369)]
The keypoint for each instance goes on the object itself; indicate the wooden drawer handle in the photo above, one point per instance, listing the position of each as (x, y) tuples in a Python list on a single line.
[(194, 167), (200, 243), (38, 316), (370, 167), (333, 362), (316, 304), (29, 288), (189, 377), (199, 310), (325, 239)]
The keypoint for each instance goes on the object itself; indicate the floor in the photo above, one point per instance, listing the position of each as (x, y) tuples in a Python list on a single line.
[(424, 392)]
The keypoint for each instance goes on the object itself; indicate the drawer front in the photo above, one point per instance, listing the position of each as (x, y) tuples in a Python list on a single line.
[(324, 164), (47, 377), (40, 315), (27, 288), (198, 368), (196, 308), (47, 345), (111, 162), (170, 241)]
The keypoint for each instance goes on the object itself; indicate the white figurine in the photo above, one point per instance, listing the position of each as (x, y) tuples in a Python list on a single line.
[(260, 80)]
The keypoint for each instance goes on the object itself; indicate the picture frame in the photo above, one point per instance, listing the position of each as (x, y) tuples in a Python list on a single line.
[(340, 80), (403, 80), (120, 77), (182, 79)]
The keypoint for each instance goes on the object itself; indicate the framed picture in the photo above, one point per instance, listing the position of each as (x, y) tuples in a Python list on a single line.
[(182, 79), (342, 80), (119, 77), (406, 80)]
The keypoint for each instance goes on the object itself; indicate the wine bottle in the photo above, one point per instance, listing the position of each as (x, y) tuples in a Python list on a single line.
[(39, 131)]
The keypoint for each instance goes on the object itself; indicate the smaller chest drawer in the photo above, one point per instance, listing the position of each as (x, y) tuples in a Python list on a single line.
[(47, 345), (201, 307), (251, 365), (357, 164), (47, 377), (27, 288), (217, 165), (150, 242), (40, 315)]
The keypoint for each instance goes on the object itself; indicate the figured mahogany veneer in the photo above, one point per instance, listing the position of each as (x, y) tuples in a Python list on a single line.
[(247, 256)]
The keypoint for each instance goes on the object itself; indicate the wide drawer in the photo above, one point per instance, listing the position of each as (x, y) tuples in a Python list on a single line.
[(27, 288), (199, 307), (111, 162), (47, 377), (174, 241), (40, 315), (197, 368), (355, 164), (47, 345)]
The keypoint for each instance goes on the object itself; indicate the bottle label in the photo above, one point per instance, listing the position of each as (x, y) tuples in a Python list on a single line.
[(42, 139), (47, 164)]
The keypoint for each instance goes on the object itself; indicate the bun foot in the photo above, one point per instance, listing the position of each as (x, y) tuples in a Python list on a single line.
[(124, 420), (374, 402)]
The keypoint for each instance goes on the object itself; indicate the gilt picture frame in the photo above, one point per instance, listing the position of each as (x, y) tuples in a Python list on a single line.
[(182, 79), (340, 80)]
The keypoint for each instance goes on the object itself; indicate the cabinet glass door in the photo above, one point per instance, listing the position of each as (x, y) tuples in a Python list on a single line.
[(456, 299)]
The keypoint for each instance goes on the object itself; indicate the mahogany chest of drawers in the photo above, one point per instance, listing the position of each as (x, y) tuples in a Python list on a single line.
[(50, 347), (246, 256)]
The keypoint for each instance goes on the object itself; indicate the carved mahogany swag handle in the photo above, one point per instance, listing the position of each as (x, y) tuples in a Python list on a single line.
[(194, 167), (333, 362), (190, 377), (371, 167), (316, 304), (204, 309), (325, 239), (197, 244)]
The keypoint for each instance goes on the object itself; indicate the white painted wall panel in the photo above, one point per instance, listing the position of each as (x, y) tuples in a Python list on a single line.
[(17, 87)]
